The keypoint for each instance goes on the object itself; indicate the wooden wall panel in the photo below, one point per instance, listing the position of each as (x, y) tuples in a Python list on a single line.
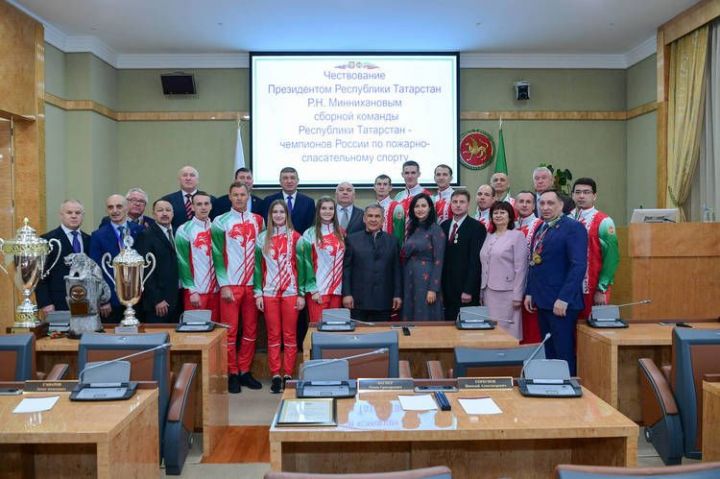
[(17, 51)]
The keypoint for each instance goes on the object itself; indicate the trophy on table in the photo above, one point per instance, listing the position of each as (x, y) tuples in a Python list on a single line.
[(85, 291), (129, 279), (25, 255)]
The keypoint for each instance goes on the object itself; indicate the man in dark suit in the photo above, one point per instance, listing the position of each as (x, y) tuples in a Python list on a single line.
[(137, 201), (109, 239), (371, 285), (160, 297), (255, 204), (181, 200), (558, 260), (302, 208), (461, 267), (349, 215), (50, 292)]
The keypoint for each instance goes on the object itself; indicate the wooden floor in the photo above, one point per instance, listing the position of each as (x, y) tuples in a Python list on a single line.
[(242, 444)]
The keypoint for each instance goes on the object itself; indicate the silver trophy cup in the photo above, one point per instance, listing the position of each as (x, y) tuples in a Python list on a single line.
[(129, 279), (25, 256)]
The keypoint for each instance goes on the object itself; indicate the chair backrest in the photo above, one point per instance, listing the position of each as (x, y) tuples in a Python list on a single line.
[(471, 362), (709, 470), (153, 366), (17, 357), (339, 345), (695, 353), (437, 472)]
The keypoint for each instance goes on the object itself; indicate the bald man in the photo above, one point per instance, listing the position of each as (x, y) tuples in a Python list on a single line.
[(181, 201), (109, 239), (349, 215), (501, 183)]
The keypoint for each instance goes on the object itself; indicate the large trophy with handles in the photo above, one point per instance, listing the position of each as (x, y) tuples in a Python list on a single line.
[(129, 279), (25, 257)]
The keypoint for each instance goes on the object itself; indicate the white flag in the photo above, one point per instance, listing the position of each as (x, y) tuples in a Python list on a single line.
[(239, 153)]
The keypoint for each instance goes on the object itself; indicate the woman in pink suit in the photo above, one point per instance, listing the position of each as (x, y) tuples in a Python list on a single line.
[(504, 258)]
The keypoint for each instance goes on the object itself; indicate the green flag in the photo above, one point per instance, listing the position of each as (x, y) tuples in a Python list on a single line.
[(501, 161)]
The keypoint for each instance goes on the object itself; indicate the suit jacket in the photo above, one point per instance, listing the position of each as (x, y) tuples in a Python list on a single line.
[(562, 270), (177, 200), (163, 283), (222, 205), (461, 267), (103, 240), (504, 262), (51, 290), (145, 221), (371, 271), (303, 213), (356, 222)]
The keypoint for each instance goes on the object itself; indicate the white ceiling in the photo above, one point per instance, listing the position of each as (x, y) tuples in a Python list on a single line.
[(144, 33)]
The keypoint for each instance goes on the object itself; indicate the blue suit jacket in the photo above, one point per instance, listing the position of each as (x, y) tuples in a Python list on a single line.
[(564, 261), (103, 240), (177, 200), (303, 213)]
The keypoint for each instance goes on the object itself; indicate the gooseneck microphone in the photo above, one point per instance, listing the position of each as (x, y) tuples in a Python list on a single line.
[(534, 353)]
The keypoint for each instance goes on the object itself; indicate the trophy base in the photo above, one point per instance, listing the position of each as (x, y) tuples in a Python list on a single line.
[(40, 330), (134, 329), (84, 324)]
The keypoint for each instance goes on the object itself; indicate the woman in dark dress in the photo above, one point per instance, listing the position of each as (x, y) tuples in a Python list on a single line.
[(422, 259)]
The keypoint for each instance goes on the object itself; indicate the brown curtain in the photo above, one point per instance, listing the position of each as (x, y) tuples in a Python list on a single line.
[(686, 99)]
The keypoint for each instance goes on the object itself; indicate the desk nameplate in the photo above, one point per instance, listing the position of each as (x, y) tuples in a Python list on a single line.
[(49, 386), (485, 383), (386, 384)]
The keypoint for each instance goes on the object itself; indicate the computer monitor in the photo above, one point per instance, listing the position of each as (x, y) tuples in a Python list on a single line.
[(339, 345), (17, 357), (654, 215), (477, 362)]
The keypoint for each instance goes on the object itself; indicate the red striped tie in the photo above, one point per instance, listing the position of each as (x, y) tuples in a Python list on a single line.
[(188, 206)]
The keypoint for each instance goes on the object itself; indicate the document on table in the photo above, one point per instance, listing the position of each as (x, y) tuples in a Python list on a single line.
[(421, 402), (479, 406), (36, 404)]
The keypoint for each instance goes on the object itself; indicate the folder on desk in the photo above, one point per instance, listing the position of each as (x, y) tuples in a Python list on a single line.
[(548, 378)]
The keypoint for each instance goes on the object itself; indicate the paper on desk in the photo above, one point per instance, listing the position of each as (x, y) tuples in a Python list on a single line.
[(421, 402), (480, 406), (36, 404)]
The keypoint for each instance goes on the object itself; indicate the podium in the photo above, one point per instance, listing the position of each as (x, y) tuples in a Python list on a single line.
[(677, 266)]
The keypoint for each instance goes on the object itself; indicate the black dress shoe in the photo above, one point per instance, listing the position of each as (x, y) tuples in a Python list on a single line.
[(234, 384), (247, 380), (276, 385)]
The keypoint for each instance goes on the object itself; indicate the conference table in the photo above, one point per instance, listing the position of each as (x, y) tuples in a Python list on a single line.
[(528, 439), (430, 340), (207, 350), (711, 422), (105, 440), (608, 360)]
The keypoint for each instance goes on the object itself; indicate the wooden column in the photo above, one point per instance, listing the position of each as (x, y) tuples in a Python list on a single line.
[(22, 85)]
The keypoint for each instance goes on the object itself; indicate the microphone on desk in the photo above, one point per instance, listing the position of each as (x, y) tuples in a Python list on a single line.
[(480, 315), (340, 371), (100, 364), (534, 353), (644, 301)]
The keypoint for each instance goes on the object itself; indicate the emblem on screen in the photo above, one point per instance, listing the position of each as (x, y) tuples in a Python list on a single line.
[(352, 65)]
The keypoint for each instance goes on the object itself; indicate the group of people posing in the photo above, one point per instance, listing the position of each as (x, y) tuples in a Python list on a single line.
[(417, 256)]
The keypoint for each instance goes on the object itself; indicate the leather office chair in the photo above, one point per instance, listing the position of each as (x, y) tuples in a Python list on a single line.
[(709, 470), (672, 397), (176, 403), (437, 472), (499, 362), (17, 360)]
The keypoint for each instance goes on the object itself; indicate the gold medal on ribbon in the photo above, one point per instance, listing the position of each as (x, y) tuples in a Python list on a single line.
[(536, 258)]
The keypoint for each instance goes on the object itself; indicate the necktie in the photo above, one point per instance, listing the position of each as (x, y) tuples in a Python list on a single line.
[(169, 233), (121, 235), (451, 238), (76, 242), (290, 203), (188, 206), (345, 218)]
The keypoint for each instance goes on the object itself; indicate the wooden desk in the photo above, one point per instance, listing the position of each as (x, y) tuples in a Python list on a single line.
[(527, 440), (208, 350), (114, 439), (711, 422), (432, 341), (608, 360)]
